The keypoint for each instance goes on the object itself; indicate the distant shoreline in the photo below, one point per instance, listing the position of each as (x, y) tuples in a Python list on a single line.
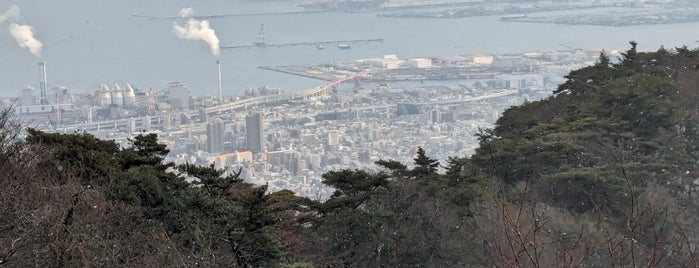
[(231, 15)]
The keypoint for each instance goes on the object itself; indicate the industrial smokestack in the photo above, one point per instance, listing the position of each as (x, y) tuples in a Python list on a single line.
[(220, 88), (42, 82)]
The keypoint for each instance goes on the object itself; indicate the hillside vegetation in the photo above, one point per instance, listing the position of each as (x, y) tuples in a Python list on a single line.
[(602, 173)]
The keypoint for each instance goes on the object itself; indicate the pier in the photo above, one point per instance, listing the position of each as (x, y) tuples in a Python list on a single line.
[(354, 41)]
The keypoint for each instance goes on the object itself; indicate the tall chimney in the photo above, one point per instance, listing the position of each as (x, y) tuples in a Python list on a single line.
[(220, 89), (42, 82)]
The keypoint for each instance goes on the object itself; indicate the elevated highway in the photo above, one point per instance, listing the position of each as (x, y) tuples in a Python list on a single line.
[(157, 119), (320, 91)]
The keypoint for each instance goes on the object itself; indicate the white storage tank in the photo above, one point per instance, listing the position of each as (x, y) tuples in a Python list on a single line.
[(117, 96), (129, 96), (104, 97)]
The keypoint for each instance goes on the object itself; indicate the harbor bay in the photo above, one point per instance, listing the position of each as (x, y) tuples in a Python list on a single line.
[(151, 55)]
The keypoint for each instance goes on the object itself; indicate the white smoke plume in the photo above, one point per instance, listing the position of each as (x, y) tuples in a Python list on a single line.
[(24, 35), (186, 12), (198, 30), (12, 14)]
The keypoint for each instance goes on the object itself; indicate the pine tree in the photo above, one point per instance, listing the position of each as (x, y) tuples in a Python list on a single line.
[(424, 165)]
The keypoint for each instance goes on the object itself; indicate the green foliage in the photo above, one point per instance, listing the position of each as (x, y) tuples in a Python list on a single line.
[(410, 217), (211, 179), (82, 155), (141, 186), (610, 131), (584, 80), (631, 58), (374, 220), (584, 189), (397, 168), (353, 188), (424, 165), (455, 168), (215, 214), (145, 150)]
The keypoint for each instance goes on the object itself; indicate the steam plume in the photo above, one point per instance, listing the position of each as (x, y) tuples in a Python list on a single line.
[(186, 12), (24, 35), (198, 30), (12, 14)]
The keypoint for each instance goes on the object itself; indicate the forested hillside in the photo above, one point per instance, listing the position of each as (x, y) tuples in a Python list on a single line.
[(602, 173)]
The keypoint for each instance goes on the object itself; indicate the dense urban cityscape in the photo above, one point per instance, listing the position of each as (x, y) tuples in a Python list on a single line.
[(289, 139)]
